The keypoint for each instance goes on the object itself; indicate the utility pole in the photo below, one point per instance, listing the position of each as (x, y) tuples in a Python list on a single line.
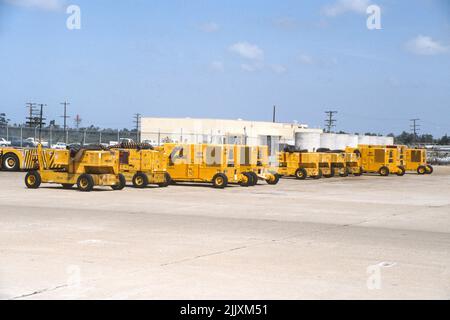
[(415, 128), (77, 121), (65, 116), (274, 115), (330, 121), (137, 122), (41, 119), (32, 119)]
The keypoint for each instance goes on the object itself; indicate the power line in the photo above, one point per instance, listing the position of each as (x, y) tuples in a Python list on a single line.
[(330, 121)]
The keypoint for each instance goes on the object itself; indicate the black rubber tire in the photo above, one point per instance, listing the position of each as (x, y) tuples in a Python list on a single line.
[(10, 157), (249, 181), (167, 182), (301, 174), (274, 181), (384, 171), (359, 173), (255, 178), (318, 176), (421, 170), (122, 183), (430, 169), (402, 171), (140, 180), (33, 180), (67, 186), (220, 181), (85, 182), (345, 173), (331, 175)]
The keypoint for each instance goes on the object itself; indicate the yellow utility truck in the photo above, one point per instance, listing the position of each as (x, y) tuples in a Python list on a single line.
[(299, 164), (353, 163), (325, 161), (416, 160), (338, 163), (383, 160), (141, 165), (85, 167), (206, 163), (16, 159), (254, 161)]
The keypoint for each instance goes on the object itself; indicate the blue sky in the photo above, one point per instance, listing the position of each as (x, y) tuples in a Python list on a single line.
[(230, 59)]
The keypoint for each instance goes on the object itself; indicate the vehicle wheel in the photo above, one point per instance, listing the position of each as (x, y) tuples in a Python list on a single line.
[(384, 171), (402, 171), (255, 178), (220, 181), (319, 175), (274, 180), (122, 183), (85, 182), (301, 174), (247, 180), (33, 180), (167, 182), (10, 162), (344, 173), (421, 170), (330, 175), (429, 169), (140, 180), (67, 186), (359, 173)]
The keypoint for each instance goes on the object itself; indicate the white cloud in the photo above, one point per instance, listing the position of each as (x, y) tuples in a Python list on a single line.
[(344, 6), (251, 67), (306, 59), (247, 50), (424, 45), (278, 68), (48, 5), (209, 27), (217, 66)]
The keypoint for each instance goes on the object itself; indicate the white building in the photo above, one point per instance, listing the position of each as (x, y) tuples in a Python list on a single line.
[(218, 131), (187, 130)]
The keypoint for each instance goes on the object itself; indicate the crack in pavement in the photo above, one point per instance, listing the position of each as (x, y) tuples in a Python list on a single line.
[(39, 292), (203, 255)]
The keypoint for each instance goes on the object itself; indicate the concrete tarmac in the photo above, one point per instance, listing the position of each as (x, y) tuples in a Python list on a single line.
[(366, 237)]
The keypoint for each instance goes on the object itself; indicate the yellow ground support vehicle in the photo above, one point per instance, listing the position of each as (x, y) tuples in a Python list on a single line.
[(141, 165), (338, 164), (202, 163), (15, 159), (325, 161), (254, 161), (383, 160), (84, 167), (416, 160), (353, 163), (299, 164)]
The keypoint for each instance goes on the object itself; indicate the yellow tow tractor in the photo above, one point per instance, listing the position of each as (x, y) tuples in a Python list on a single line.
[(16, 159), (338, 163), (299, 164), (205, 163), (254, 161), (416, 160), (383, 160), (86, 167), (142, 165), (325, 161), (353, 162)]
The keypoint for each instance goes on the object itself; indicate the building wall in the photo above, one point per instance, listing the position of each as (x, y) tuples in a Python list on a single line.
[(218, 131)]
